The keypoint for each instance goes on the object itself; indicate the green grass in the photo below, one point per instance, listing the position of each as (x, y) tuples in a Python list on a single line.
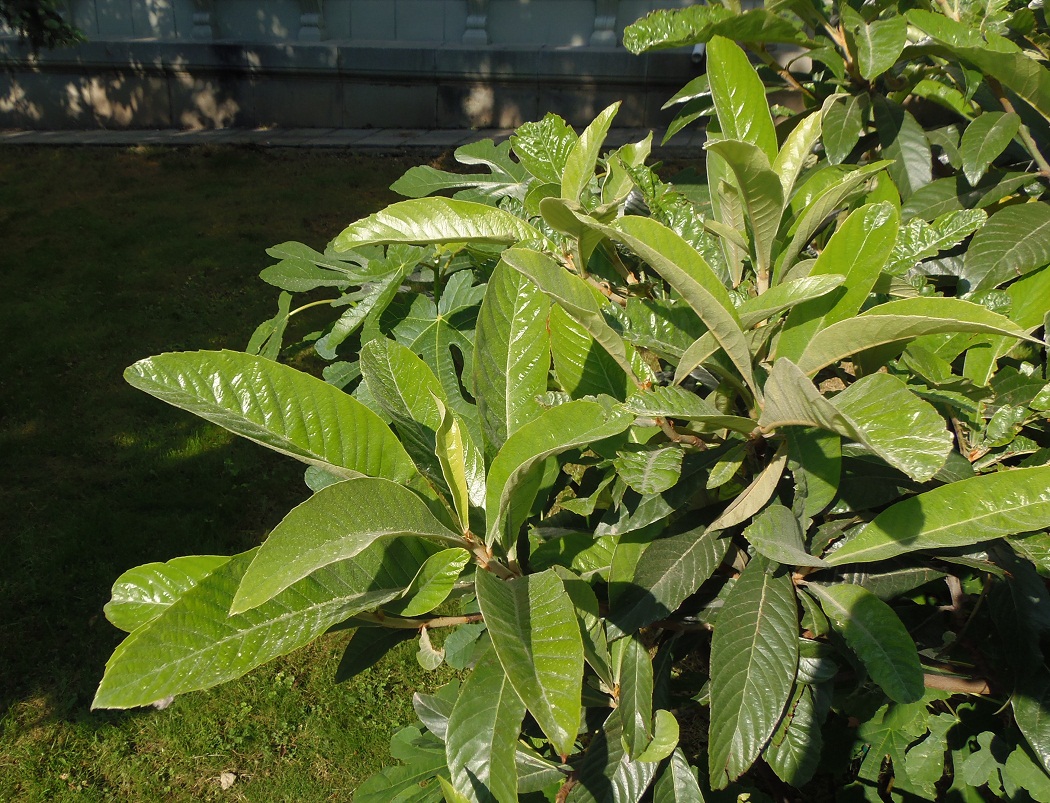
[(110, 256)]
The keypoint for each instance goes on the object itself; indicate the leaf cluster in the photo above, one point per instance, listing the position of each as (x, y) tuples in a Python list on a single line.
[(731, 488)]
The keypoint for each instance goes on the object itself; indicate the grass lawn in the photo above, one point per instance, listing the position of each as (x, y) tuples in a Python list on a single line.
[(110, 256)]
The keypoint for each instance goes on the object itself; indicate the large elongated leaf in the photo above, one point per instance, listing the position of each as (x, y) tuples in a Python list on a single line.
[(435, 220), (635, 681), (761, 191), (677, 782), (796, 150), (754, 655), (755, 496), (511, 354), (879, 44), (688, 272), (984, 139), (1014, 241), (581, 366), (335, 524), (903, 141), (776, 533), (279, 407), (858, 250), (574, 296), (955, 515), (579, 164), (795, 749), (676, 402), (534, 632), (196, 644), (843, 125), (817, 212), (554, 431), (739, 96), (997, 57), (142, 594), (785, 296), (877, 411), (873, 631), (483, 733), (668, 571), (898, 322), (607, 774)]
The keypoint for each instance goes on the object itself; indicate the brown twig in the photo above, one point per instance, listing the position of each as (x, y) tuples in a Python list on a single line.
[(398, 623), (957, 684)]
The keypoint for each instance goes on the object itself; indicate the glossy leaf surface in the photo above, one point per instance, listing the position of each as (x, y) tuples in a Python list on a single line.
[(534, 632)]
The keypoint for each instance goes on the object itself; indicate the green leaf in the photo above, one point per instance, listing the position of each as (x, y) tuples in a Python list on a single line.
[(904, 142), (665, 738), (761, 191), (505, 176), (956, 515), (268, 337), (405, 783), (581, 366), (428, 657), (483, 733), (142, 594), (858, 250), (196, 644), (534, 631), (512, 354), (606, 773), (368, 646), (435, 220), (878, 45), (754, 655), (580, 163), (776, 533), (543, 148), (677, 782), (795, 748), (634, 676), (376, 299), (796, 151), (279, 407), (676, 402), (984, 139), (754, 497), (739, 97), (453, 452), (815, 212), (785, 296), (434, 581), (843, 125), (449, 793), (334, 524), (898, 322), (573, 295), (816, 463), (918, 239), (873, 631), (649, 471), (668, 571), (877, 411), (667, 28), (567, 426), (688, 272), (995, 56), (1014, 241)]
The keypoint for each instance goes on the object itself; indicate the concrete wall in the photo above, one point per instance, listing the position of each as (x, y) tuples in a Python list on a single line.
[(339, 63)]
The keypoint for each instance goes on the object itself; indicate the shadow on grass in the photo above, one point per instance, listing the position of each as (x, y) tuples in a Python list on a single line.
[(111, 256)]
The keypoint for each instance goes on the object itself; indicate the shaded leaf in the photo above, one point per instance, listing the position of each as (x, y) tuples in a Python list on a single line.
[(984, 139), (434, 581), (334, 524), (873, 631), (955, 515), (776, 533), (368, 646), (1014, 241)]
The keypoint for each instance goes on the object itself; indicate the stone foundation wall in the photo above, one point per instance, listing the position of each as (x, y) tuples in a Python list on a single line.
[(340, 63)]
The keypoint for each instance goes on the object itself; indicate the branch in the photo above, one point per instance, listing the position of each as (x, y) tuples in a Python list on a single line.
[(957, 684), (399, 623)]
